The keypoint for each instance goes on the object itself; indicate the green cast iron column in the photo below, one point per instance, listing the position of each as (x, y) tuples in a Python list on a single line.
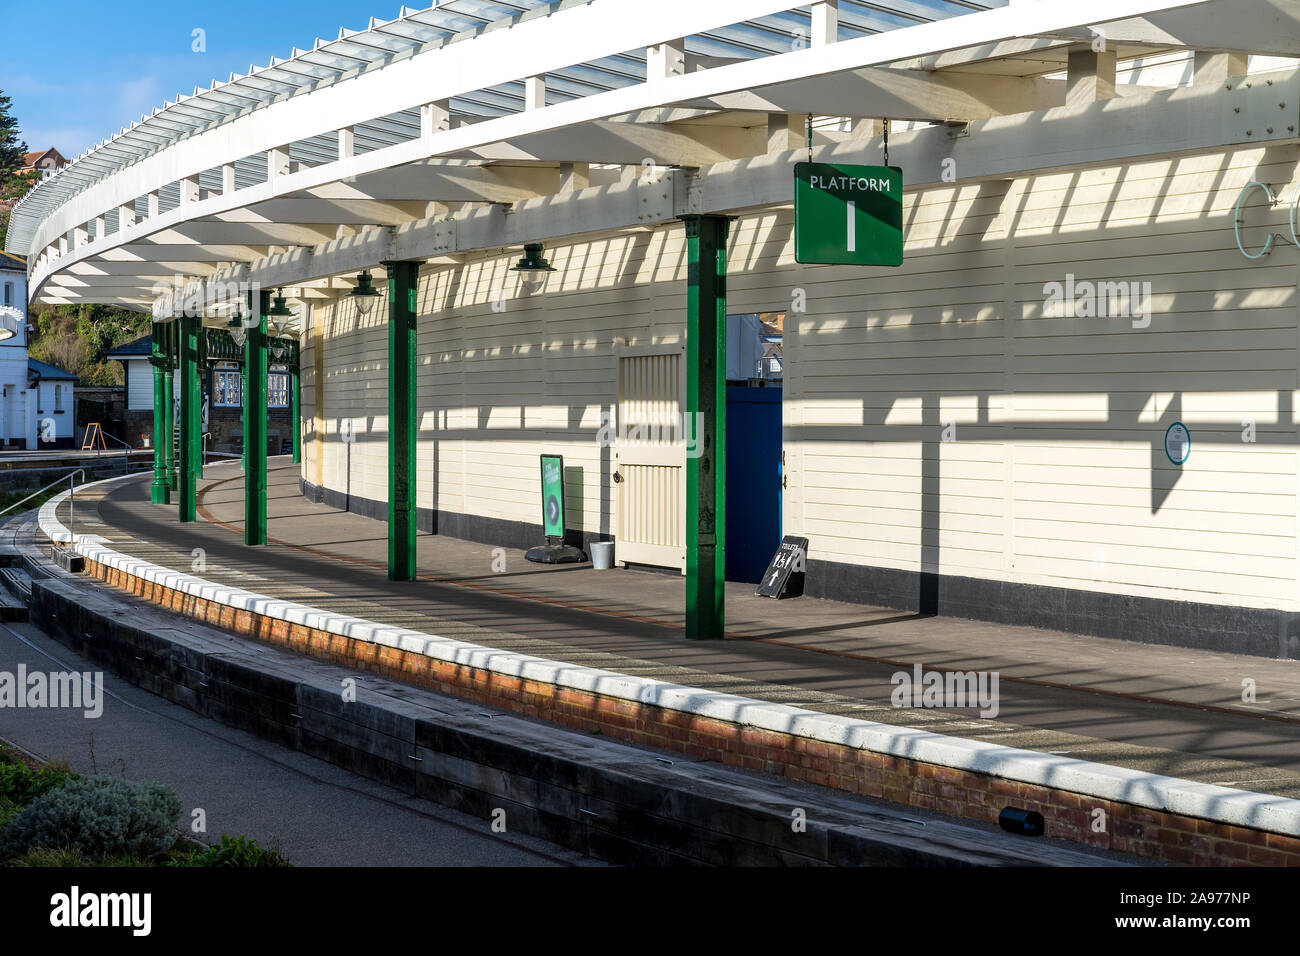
[(255, 423), (159, 492), (295, 404), (205, 383), (243, 409), (706, 403), (169, 332), (402, 282), (191, 329)]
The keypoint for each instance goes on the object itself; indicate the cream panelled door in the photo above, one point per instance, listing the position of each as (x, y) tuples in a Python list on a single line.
[(650, 456)]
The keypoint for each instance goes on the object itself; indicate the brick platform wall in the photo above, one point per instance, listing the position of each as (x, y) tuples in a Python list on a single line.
[(967, 794)]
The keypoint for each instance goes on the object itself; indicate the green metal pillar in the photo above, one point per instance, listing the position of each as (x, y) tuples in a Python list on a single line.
[(159, 492), (255, 422), (191, 330), (403, 279), (169, 334), (295, 404), (706, 403), (204, 376), (243, 409)]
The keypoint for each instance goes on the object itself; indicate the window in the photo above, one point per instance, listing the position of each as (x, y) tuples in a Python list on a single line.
[(58, 397), (9, 293), (226, 386), (277, 390)]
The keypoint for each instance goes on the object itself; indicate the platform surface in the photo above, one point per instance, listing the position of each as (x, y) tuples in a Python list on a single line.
[(1166, 710)]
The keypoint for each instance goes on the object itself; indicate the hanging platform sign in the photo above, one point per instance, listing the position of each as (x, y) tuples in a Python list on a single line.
[(848, 215)]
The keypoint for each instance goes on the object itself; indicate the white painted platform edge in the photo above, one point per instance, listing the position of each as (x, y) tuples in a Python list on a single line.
[(1154, 791)]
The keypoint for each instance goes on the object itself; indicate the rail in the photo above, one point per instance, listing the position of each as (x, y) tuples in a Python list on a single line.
[(72, 497)]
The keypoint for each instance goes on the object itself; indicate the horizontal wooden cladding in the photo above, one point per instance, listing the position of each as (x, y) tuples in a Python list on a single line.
[(1058, 422)]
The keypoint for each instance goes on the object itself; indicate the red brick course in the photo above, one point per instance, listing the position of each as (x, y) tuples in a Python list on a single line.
[(959, 793)]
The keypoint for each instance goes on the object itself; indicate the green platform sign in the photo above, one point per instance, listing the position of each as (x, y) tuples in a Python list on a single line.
[(848, 215), (553, 496)]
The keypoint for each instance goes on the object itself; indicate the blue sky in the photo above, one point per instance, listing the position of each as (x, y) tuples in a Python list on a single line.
[(78, 71)]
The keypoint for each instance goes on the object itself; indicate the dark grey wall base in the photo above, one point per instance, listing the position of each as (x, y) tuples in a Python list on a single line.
[(605, 799), (484, 530), (1263, 633)]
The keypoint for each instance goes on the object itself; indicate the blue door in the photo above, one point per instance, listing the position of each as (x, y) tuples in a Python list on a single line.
[(753, 480)]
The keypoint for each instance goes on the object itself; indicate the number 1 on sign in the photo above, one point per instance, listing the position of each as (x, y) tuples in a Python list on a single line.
[(853, 226)]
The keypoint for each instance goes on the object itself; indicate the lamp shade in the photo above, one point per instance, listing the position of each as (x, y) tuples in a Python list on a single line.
[(365, 295), (533, 260), (279, 310), (236, 329)]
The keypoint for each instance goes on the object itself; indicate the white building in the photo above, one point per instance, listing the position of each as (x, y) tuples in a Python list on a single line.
[(37, 408), (1073, 404)]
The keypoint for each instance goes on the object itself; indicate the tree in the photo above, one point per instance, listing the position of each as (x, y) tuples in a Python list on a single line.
[(16, 185), (75, 338), (12, 148)]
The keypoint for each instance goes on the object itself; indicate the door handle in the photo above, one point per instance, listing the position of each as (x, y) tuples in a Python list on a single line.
[(617, 478)]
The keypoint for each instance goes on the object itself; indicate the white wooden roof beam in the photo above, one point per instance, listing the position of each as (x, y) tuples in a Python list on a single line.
[(1271, 27), (1173, 121), (350, 211), (177, 252), (206, 232), (589, 32), (440, 181), (824, 25), (101, 267), (895, 94), (396, 82), (624, 144)]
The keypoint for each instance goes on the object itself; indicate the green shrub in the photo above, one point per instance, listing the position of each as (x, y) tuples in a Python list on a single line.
[(67, 857), (21, 784), (234, 851), (97, 818), (8, 810)]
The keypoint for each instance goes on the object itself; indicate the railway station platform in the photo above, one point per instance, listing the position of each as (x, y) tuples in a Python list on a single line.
[(1158, 738)]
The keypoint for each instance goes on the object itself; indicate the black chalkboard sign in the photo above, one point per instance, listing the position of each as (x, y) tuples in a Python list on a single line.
[(784, 576), (286, 446)]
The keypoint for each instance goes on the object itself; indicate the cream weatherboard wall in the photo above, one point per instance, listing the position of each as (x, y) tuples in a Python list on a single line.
[(937, 417)]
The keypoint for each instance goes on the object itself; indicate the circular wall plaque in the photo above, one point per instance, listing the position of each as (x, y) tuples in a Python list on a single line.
[(1178, 443)]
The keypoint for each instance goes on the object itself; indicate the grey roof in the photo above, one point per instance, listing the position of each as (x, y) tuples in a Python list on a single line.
[(42, 370), (136, 348)]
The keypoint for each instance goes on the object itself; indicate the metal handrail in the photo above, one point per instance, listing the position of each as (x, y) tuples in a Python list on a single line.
[(127, 445), (72, 497)]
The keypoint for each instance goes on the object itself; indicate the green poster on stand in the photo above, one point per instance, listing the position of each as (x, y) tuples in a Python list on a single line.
[(553, 496), (555, 551)]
